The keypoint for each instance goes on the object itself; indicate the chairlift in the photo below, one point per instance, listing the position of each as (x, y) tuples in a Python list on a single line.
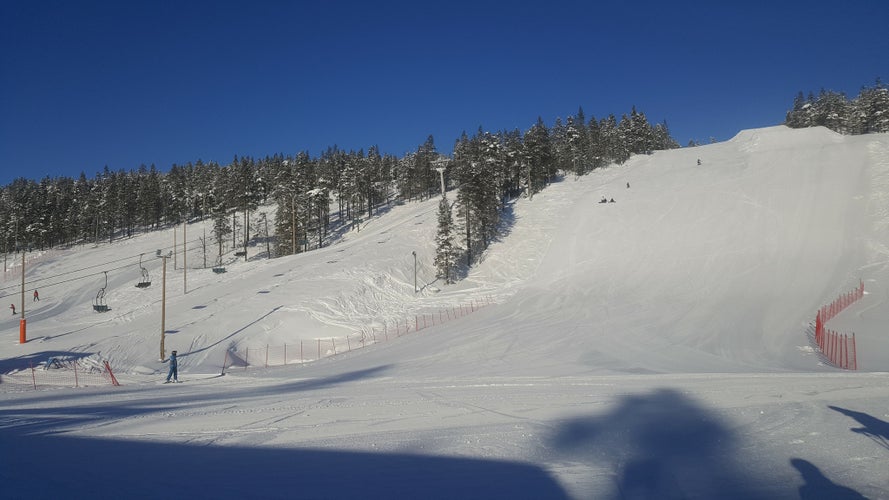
[(99, 304), (146, 278)]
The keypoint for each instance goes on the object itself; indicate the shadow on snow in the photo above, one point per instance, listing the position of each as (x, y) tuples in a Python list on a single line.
[(140, 469), (872, 427), (144, 469), (665, 445)]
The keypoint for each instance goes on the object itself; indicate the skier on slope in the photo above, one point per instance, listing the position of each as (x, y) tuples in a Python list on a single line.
[(12, 306), (174, 368)]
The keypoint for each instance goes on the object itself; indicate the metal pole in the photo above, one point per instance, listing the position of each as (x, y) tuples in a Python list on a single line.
[(184, 259), (268, 246), (23, 284), (441, 175), (23, 336), (163, 307)]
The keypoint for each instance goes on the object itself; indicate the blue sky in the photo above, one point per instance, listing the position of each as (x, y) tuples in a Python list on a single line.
[(93, 83)]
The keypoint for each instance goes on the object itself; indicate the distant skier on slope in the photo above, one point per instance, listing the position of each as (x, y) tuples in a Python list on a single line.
[(12, 306)]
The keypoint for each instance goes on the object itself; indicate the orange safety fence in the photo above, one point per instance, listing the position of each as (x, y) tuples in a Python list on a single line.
[(61, 373), (306, 351), (837, 348)]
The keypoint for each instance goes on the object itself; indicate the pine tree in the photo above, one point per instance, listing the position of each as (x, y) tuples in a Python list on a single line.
[(446, 251), (872, 109), (538, 166), (796, 116)]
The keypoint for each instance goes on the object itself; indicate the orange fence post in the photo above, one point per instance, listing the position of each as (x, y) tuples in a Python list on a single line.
[(833, 348), (111, 374), (854, 353)]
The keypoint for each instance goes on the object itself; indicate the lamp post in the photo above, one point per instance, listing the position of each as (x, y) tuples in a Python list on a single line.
[(415, 270), (163, 302), (184, 257), (23, 336), (293, 223)]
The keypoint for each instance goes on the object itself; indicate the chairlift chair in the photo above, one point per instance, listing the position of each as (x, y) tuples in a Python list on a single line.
[(146, 278), (99, 304)]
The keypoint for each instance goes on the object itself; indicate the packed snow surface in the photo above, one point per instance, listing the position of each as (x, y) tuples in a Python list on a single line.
[(656, 347)]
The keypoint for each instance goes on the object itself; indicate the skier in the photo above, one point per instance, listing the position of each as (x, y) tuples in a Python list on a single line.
[(12, 306), (628, 185), (36, 296), (174, 371)]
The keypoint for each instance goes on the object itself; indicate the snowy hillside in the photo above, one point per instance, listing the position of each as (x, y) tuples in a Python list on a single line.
[(654, 347)]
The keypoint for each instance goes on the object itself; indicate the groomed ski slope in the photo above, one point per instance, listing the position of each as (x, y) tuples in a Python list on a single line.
[(655, 347)]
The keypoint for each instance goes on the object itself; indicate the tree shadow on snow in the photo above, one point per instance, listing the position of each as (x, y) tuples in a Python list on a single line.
[(873, 428), (661, 445), (504, 228)]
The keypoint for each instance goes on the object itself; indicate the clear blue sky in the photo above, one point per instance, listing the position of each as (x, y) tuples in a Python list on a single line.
[(88, 83)]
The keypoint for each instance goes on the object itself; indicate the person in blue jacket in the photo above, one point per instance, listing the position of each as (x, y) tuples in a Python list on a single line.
[(174, 368)]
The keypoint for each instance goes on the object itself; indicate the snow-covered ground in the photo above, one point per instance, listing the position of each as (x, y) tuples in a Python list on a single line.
[(655, 347)]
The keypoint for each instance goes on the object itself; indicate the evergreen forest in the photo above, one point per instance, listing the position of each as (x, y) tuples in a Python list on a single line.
[(315, 197)]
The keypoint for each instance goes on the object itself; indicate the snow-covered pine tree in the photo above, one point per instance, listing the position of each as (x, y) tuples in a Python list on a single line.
[(831, 110), (445, 249), (872, 108), (798, 115), (538, 166)]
